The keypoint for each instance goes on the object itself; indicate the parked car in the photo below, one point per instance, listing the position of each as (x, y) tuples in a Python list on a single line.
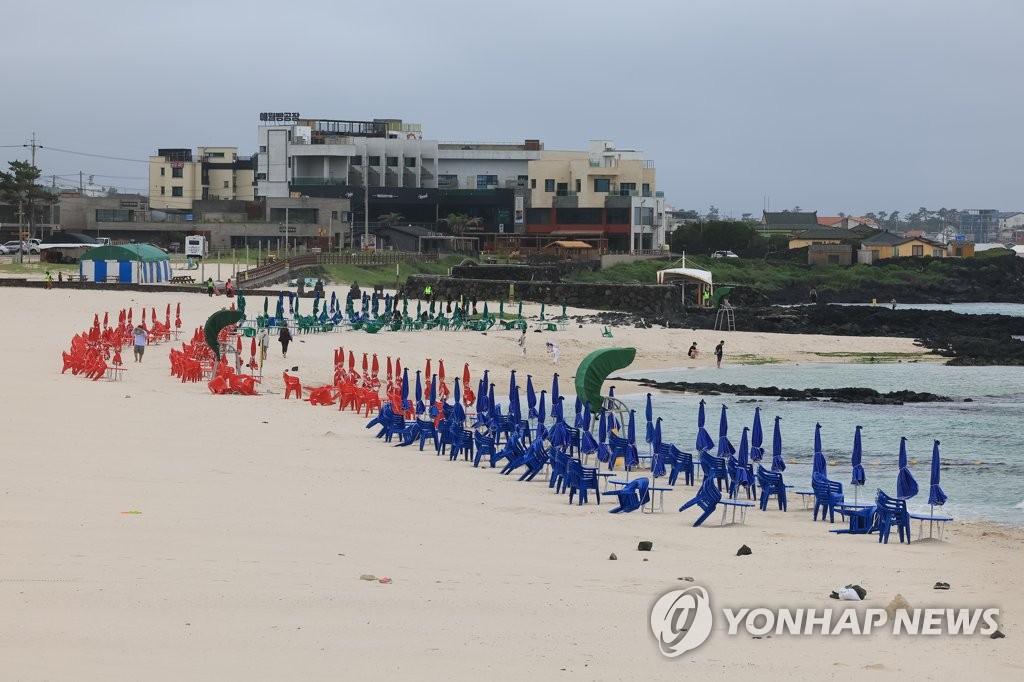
[(18, 247), (724, 254)]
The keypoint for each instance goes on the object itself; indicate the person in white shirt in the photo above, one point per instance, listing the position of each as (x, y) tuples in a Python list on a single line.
[(141, 337)]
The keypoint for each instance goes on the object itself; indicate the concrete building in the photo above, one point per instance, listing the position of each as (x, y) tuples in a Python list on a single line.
[(979, 225), (392, 174), (603, 192), (177, 178)]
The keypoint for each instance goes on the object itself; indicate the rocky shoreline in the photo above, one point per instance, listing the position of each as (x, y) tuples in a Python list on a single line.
[(964, 339), (866, 396)]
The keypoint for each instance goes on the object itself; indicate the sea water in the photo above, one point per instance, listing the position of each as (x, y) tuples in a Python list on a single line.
[(981, 447)]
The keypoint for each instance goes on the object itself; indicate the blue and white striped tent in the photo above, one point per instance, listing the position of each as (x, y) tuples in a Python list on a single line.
[(130, 263)]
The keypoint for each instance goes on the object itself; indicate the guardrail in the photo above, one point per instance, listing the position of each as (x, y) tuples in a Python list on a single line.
[(281, 270)]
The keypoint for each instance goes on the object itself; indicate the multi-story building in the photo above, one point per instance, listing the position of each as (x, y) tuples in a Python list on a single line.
[(979, 225), (389, 170), (176, 178), (605, 193)]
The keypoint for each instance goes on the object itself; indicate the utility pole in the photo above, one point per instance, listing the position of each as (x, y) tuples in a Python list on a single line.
[(366, 201), (81, 182)]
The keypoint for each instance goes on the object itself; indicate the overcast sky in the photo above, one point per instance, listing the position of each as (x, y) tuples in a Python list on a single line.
[(832, 105)]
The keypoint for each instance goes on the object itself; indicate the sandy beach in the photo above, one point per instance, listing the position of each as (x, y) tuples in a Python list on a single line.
[(258, 516)]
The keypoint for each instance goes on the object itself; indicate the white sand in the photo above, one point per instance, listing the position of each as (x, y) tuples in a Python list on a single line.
[(258, 516)]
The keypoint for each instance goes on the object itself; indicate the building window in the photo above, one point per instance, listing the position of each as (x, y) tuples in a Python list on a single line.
[(410, 162), (643, 215), (579, 185), (486, 181), (162, 190), (647, 189), (374, 160), (562, 189), (549, 185), (177, 192), (521, 180), (163, 171), (392, 161), (602, 184), (917, 250), (114, 215), (334, 215), (177, 172), (357, 160), (448, 181), (533, 183), (626, 189), (263, 148), (226, 184), (261, 176)]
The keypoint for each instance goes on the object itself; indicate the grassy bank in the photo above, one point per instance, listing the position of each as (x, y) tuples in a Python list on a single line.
[(387, 275)]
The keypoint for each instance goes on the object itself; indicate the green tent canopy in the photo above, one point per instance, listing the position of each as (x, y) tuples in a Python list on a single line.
[(595, 368)]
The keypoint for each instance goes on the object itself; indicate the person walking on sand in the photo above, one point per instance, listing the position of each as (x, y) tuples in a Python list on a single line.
[(141, 337), (285, 337), (209, 287), (814, 295), (893, 303), (719, 351), (553, 349), (693, 352), (49, 280), (522, 341)]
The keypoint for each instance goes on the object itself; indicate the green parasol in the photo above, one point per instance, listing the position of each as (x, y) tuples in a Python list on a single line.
[(563, 308), (418, 309), (241, 303), (266, 305), (316, 306), (405, 306), (501, 309), (486, 316), (519, 315), (431, 307), (541, 312)]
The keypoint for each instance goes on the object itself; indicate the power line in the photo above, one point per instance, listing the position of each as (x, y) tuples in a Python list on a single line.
[(97, 156)]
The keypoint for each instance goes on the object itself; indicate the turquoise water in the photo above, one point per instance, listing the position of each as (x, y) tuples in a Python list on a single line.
[(981, 445), (1011, 309)]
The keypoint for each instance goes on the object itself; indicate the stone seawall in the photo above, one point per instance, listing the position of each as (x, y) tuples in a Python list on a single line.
[(648, 299)]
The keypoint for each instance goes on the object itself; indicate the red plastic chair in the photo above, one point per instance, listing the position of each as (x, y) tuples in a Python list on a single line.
[(291, 384)]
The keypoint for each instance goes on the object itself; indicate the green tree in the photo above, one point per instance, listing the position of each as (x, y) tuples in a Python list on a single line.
[(19, 188), (390, 218)]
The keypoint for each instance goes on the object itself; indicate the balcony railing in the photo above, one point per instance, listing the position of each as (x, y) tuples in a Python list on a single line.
[(319, 181)]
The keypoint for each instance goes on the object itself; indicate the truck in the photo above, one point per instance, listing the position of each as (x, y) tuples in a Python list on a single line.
[(195, 246)]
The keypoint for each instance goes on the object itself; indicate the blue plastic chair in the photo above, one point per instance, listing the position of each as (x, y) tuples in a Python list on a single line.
[(512, 451), (632, 496), (733, 466), (715, 468), (573, 445), (620, 447), (889, 512), (827, 494), (536, 458), (678, 461), (395, 426), (515, 452), (426, 429), (462, 443), (580, 480), (382, 419), (708, 497), (771, 484), (559, 479), (484, 446)]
